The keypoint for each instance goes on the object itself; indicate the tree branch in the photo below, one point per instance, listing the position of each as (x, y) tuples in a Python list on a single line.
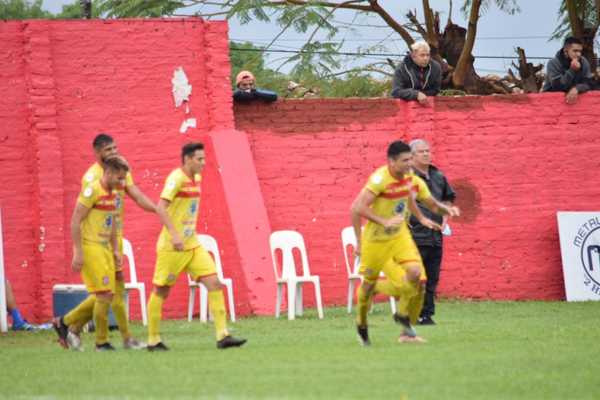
[(347, 4), (392, 22)]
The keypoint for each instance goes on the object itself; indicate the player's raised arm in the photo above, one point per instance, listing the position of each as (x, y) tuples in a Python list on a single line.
[(441, 208), (140, 198), (423, 220), (161, 210), (79, 214)]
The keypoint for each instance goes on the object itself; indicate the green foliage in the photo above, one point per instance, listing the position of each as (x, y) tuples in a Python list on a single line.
[(22, 9), (586, 11), (137, 8), (478, 350), (245, 56), (74, 11)]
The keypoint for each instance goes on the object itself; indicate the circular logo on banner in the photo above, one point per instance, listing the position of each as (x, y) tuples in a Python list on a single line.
[(590, 255)]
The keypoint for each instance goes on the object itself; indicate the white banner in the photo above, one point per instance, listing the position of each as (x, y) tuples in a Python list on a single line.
[(579, 234)]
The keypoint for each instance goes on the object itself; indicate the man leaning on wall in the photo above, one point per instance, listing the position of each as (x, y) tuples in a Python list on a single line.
[(430, 241), (569, 71), (417, 76)]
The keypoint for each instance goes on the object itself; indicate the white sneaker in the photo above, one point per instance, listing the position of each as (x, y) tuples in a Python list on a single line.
[(133, 344), (74, 341)]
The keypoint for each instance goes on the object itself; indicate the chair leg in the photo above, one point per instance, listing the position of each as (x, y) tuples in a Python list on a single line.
[(231, 302), (143, 306), (203, 304), (192, 297), (291, 300), (279, 296), (318, 298), (350, 295), (299, 298)]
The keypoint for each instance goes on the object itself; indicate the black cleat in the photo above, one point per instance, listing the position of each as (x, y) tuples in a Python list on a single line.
[(62, 331), (426, 321), (230, 341), (160, 346), (105, 347), (405, 322), (363, 335)]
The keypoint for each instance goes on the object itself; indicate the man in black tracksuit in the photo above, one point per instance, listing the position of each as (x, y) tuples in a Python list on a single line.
[(417, 76), (429, 241)]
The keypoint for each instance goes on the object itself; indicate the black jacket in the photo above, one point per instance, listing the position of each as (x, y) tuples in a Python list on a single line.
[(410, 79), (561, 78), (240, 96), (442, 191)]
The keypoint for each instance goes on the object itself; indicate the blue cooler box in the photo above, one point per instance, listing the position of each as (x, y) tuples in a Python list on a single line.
[(67, 297)]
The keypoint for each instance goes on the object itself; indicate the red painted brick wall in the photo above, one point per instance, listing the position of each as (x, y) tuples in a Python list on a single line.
[(514, 162), (65, 81)]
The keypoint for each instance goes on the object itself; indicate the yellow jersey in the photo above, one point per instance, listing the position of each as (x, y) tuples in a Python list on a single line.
[(183, 193), (392, 198), (93, 174), (97, 225)]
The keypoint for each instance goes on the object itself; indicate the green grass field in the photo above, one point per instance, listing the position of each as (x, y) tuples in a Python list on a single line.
[(487, 350)]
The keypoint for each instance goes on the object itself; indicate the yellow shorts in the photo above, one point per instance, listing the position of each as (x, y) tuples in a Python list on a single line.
[(390, 257), (169, 264), (98, 272)]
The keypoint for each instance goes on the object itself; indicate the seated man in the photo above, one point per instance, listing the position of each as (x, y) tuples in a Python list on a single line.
[(18, 322), (568, 71), (417, 76), (247, 92)]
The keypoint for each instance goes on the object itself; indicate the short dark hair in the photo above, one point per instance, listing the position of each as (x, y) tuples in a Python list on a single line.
[(101, 140), (569, 40), (396, 148), (116, 163), (189, 150)]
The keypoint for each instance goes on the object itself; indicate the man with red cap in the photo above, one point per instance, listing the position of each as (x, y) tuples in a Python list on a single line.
[(247, 92)]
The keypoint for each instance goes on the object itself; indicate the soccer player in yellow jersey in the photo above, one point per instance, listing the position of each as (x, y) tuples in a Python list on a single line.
[(104, 148), (95, 247), (178, 249), (386, 243)]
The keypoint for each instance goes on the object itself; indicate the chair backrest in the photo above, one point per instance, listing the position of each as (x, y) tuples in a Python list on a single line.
[(210, 244), (349, 239), (128, 252), (287, 241)]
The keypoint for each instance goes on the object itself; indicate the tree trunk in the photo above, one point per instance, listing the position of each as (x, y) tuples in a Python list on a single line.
[(462, 71), (528, 73), (86, 8)]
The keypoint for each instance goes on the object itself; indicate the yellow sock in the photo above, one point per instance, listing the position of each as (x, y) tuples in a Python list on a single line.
[(154, 316), (363, 306), (216, 305), (407, 291), (101, 320), (81, 314), (416, 305), (120, 310)]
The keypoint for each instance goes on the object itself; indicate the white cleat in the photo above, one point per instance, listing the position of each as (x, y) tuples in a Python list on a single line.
[(74, 341), (133, 344)]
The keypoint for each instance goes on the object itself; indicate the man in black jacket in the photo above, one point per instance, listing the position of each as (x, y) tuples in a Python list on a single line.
[(417, 76), (429, 241), (569, 71)]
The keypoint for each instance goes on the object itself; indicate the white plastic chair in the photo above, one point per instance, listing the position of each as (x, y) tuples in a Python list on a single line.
[(286, 241), (210, 244), (349, 239), (133, 283)]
